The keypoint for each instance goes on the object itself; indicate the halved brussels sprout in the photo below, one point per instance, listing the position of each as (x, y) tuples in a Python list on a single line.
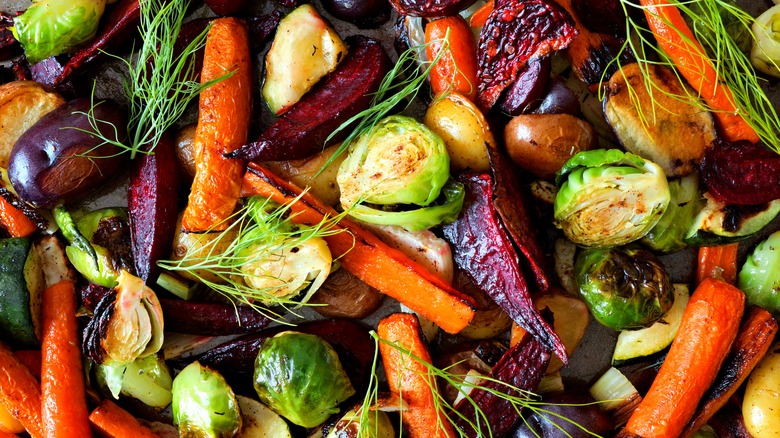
[(759, 277), (203, 404), (624, 288), (609, 197), (146, 379), (669, 233), (355, 422), (301, 378), (765, 53), (52, 27)]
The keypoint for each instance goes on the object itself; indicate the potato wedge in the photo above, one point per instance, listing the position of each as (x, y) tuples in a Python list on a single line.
[(671, 130), (22, 103)]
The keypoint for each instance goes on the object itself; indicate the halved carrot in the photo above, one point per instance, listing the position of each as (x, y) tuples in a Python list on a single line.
[(114, 422), (708, 328), (31, 359), (678, 42), (480, 16), (223, 126), (14, 220), (20, 392), (457, 68), (64, 407), (717, 262), (368, 258), (409, 378)]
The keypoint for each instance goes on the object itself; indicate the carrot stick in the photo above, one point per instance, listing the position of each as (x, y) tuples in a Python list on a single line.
[(14, 221), (20, 393), (480, 17), (708, 328), (4, 434), (114, 422), (678, 42), (718, 262), (456, 69), (64, 409), (31, 359), (368, 258), (516, 334), (408, 377), (223, 126), (8, 423)]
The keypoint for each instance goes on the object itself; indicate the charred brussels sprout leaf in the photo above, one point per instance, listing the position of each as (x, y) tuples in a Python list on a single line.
[(669, 233), (624, 288), (759, 277), (203, 404), (301, 378), (609, 197)]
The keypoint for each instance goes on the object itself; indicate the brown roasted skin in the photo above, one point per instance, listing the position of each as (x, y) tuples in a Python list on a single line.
[(522, 367), (753, 341), (484, 250), (302, 130), (517, 31), (741, 172), (428, 8)]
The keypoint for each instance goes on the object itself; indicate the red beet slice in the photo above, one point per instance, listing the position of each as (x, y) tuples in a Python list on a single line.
[(428, 8), (210, 319), (741, 172), (528, 89)]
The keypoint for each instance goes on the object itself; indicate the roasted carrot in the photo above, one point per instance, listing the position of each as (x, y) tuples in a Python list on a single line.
[(31, 359), (223, 126), (4, 434), (64, 407), (14, 220), (678, 42), (753, 341), (368, 258), (516, 334), (409, 378), (457, 68), (708, 328), (717, 262), (114, 422), (20, 393), (9, 425), (480, 16)]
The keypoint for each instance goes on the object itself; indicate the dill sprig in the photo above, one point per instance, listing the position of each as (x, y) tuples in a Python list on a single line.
[(262, 230), (524, 400)]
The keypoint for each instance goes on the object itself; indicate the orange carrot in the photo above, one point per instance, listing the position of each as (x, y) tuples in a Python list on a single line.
[(114, 422), (457, 68), (223, 125), (516, 334), (718, 262), (20, 393), (8, 423), (408, 377), (14, 221), (64, 407), (480, 17), (708, 328), (368, 258), (31, 359), (4, 434), (678, 42)]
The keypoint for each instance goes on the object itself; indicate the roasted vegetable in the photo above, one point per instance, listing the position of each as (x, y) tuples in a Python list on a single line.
[(529, 87), (20, 304), (146, 379), (718, 223), (52, 27), (761, 403), (345, 296), (765, 53), (428, 8), (759, 277), (203, 404), (456, 68), (608, 197), (363, 13), (571, 415), (301, 378), (741, 173), (373, 424), (624, 288), (669, 233), (260, 421), (210, 318)]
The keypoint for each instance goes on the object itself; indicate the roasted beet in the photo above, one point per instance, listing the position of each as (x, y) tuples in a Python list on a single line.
[(301, 131), (363, 13), (741, 172), (9, 47), (210, 319), (429, 8), (528, 88), (517, 31), (262, 28), (57, 160), (559, 99), (572, 415), (226, 7)]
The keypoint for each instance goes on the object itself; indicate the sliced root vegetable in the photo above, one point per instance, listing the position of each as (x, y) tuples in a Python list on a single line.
[(223, 126), (20, 393), (31, 359), (480, 16), (14, 221), (114, 422), (457, 68), (370, 259), (718, 262), (210, 319)]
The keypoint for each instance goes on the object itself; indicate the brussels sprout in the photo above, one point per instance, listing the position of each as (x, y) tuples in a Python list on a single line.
[(765, 53), (400, 161), (355, 422), (669, 233), (624, 288), (146, 379), (52, 27), (759, 277), (301, 378), (203, 404), (609, 197), (90, 222)]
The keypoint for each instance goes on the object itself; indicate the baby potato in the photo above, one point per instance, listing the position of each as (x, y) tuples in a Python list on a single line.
[(761, 405), (464, 130), (542, 143)]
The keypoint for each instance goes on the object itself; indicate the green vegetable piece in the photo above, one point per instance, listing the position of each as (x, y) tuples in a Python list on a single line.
[(624, 288), (65, 222), (17, 321), (300, 377), (765, 53), (668, 235), (104, 274), (370, 424), (400, 161), (719, 224), (53, 27), (203, 404), (90, 222), (146, 379), (419, 219), (609, 198), (759, 277)]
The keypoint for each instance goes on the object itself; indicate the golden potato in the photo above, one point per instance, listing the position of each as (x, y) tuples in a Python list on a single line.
[(22, 103), (303, 173), (761, 405), (464, 130), (542, 143), (185, 149)]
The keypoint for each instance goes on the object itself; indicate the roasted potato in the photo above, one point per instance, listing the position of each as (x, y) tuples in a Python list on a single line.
[(22, 103), (761, 404), (541, 143), (672, 129), (185, 150)]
